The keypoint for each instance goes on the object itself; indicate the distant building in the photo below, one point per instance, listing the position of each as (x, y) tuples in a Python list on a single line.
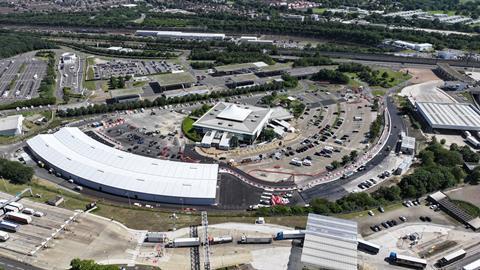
[(69, 58), (407, 145), (293, 17), (177, 35), (11, 125), (446, 72), (420, 47), (120, 49)]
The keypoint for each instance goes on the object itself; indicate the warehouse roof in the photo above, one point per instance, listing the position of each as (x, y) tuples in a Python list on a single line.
[(234, 118), (330, 243), (11, 122), (73, 151), (459, 116)]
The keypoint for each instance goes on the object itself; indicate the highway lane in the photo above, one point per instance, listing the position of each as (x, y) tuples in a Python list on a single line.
[(9, 264)]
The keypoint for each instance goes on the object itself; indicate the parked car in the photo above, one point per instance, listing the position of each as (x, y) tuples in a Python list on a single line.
[(370, 212), (381, 209), (402, 218)]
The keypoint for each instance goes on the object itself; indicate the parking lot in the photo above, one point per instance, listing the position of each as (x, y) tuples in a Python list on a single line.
[(104, 69), (71, 74), (20, 77), (327, 134), (31, 236)]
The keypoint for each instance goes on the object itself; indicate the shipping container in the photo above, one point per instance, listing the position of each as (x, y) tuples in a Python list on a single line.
[(19, 206), (18, 217), (9, 226), (255, 240), (185, 242), (28, 211), (220, 240), (452, 257), (285, 235), (472, 266)]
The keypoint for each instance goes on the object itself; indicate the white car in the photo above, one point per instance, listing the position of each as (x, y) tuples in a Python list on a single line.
[(38, 214), (370, 212)]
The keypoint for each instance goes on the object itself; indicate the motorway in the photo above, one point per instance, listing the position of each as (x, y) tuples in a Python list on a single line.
[(9, 264)]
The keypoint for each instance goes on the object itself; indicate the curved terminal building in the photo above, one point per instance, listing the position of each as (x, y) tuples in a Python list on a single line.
[(90, 163)]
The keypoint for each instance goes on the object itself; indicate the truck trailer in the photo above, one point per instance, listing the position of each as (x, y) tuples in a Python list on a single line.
[(18, 217), (285, 235), (9, 226), (255, 240), (220, 240), (185, 242)]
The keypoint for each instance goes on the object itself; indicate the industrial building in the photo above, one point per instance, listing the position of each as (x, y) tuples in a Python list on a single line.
[(242, 80), (178, 35), (453, 116), (446, 72), (186, 92), (420, 47), (237, 68), (452, 209), (407, 145), (330, 243), (243, 121), (11, 125), (171, 81), (76, 156)]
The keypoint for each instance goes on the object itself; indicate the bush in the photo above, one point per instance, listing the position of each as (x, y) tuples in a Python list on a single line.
[(78, 264)]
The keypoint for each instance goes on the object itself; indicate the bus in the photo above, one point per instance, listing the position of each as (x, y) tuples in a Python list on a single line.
[(407, 261), (452, 257), (367, 246), (472, 266)]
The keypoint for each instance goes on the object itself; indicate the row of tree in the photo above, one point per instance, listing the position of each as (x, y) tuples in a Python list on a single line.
[(15, 171)]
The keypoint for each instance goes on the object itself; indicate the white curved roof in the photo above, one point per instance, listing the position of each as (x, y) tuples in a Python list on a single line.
[(72, 150)]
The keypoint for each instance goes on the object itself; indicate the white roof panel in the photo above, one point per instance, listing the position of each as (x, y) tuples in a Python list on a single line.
[(458, 116), (72, 150)]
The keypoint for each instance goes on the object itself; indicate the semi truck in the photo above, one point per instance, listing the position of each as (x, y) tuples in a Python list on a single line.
[(185, 242), (407, 260), (255, 240), (18, 217), (9, 226), (474, 142), (286, 235)]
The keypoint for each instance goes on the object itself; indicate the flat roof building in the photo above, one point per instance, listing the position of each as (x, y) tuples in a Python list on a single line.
[(408, 145), (456, 116), (330, 243), (180, 35), (171, 81), (244, 121), (11, 125), (90, 163)]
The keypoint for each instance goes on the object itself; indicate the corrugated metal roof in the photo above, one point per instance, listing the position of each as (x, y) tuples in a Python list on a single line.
[(450, 115), (72, 150), (330, 243)]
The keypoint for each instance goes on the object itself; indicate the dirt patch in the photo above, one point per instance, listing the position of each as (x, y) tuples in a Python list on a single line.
[(421, 75)]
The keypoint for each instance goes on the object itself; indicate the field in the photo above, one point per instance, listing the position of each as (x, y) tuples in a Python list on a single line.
[(448, 12), (319, 10), (187, 128)]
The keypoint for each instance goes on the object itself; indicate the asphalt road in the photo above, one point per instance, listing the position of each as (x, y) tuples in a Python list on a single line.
[(9, 264), (334, 190)]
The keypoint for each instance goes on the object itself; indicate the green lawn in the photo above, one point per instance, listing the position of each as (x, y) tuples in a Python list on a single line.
[(448, 12), (90, 85), (378, 92), (188, 131), (398, 77), (319, 10)]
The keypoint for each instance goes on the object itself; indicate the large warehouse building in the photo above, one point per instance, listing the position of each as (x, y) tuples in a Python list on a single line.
[(453, 116), (88, 162)]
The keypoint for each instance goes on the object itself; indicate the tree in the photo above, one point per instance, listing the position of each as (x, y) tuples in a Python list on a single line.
[(443, 141), (474, 177), (353, 155), (15, 171)]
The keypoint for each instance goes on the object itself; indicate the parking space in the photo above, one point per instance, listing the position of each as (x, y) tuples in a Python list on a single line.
[(20, 77), (105, 69), (31, 236)]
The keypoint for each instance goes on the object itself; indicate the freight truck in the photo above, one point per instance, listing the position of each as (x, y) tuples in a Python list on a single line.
[(285, 235), (255, 240), (18, 217), (220, 240)]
